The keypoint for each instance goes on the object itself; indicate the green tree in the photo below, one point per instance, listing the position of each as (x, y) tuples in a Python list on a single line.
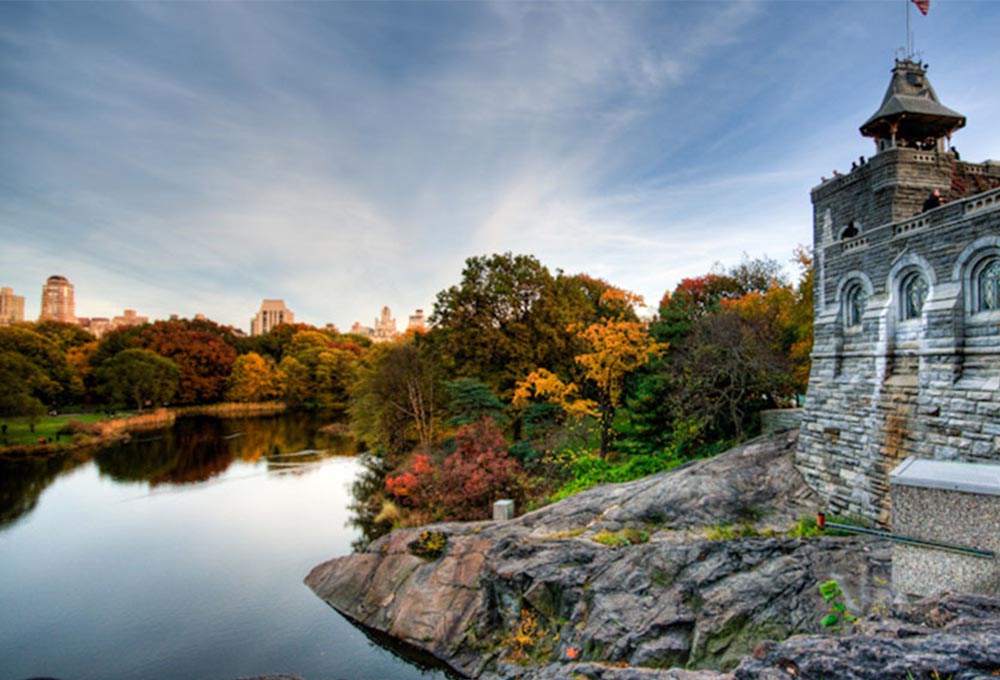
[(483, 326), (22, 382), (61, 385), (510, 315), (140, 377), (318, 370), (394, 401), (65, 335), (470, 400)]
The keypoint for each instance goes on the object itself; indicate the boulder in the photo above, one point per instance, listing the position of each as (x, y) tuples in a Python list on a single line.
[(540, 590)]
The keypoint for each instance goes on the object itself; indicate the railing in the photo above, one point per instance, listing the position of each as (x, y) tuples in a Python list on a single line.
[(984, 201), (822, 524)]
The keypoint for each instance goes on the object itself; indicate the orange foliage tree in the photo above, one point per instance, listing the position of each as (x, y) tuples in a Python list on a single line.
[(618, 347), (203, 357), (254, 378)]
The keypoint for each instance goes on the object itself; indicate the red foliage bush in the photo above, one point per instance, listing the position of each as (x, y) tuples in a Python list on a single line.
[(465, 485)]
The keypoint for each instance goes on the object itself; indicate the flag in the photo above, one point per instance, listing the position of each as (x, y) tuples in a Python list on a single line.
[(922, 5)]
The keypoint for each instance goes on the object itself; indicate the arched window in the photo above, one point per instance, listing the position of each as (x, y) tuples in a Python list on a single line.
[(912, 292), (855, 301), (987, 286)]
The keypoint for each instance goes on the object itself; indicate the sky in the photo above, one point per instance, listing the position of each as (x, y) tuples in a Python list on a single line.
[(186, 158)]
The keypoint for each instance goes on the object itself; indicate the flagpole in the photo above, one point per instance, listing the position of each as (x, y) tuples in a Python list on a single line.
[(909, 47)]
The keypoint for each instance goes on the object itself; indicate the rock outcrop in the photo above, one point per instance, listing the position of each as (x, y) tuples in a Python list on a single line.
[(538, 597)]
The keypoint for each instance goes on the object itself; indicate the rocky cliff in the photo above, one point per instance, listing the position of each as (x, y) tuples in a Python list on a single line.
[(622, 581)]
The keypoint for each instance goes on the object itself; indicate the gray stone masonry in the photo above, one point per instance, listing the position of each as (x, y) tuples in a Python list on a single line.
[(890, 387), (780, 420)]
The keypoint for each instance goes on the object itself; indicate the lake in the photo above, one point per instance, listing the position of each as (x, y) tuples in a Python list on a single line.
[(181, 555)]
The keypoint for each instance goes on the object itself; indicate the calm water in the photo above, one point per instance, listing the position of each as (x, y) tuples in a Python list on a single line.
[(183, 557)]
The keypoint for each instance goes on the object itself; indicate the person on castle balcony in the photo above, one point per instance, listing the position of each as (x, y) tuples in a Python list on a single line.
[(933, 201)]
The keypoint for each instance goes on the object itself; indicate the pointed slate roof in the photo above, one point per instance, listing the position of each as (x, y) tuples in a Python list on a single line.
[(911, 104)]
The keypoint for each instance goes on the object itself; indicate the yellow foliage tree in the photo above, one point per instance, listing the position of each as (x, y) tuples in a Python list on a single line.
[(545, 385), (618, 346), (254, 378)]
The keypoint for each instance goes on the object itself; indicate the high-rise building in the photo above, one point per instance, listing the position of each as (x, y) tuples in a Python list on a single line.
[(11, 307), (272, 313), (385, 327), (57, 301), (417, 322)]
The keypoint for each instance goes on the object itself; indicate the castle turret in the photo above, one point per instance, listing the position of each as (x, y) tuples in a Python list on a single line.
[(911, 115)]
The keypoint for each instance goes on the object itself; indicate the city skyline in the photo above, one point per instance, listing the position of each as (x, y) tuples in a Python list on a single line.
[(201, 157), (271, 313)]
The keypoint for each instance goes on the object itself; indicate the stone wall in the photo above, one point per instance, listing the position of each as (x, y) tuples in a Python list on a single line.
[(887, 388), (780, 420)]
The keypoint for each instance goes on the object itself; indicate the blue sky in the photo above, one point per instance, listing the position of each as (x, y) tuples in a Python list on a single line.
[(198, 157)]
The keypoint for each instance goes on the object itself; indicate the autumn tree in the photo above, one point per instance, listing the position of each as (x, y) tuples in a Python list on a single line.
[(139, 376), (254, 378), (542, 385), (618, 348), (275, 342), (202, 350), (79, 358), (740, 340), (696, 297)]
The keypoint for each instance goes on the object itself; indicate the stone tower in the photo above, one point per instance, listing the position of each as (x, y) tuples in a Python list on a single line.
[(906, 359), (57, 300)]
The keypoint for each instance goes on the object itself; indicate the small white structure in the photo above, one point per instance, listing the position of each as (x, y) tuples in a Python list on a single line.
[(503, 510)]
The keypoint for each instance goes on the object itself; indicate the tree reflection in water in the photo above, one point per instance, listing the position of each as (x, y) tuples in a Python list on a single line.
[(366, 504), (23, 481), (193, 450)]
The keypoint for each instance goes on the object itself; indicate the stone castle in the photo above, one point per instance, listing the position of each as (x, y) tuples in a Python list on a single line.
[(906, 359)]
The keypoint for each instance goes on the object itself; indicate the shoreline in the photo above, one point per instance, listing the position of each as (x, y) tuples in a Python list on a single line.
[(122, 429)]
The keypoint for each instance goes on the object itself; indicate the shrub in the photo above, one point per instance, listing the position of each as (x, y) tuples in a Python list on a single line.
[(430, 545), (619, 539)]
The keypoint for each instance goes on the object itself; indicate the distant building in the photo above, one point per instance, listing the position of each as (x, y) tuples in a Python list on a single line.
[(57, 301), (99, 325), (272, 313), (331, 328), (385, 327), (95, 325), (363, 331), (128, 319), (11, 307), (417, 322)]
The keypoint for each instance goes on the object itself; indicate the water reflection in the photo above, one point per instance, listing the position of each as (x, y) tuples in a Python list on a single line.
[(23, 481), (193, 450), (366, 504)]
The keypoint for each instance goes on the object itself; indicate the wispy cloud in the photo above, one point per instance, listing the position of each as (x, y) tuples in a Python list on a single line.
[(199, 157)]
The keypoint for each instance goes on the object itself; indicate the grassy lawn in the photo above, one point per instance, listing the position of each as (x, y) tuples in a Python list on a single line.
[(19, 429)]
